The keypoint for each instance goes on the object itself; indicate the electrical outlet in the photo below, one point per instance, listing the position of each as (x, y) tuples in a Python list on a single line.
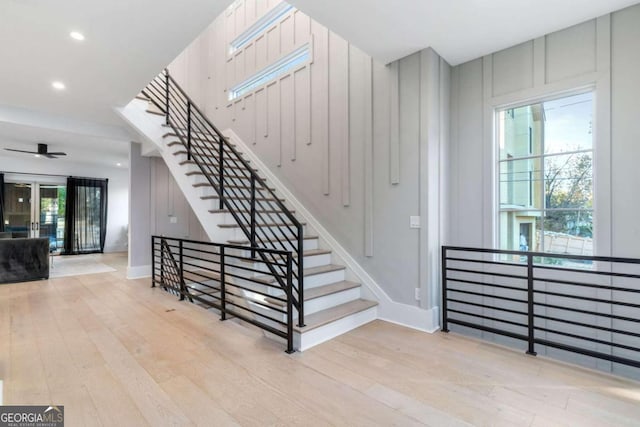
[(417, 295), (414, 222)]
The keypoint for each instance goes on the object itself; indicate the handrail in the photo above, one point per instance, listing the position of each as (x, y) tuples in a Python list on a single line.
[(212, 275), (214, 154), (537, 307)]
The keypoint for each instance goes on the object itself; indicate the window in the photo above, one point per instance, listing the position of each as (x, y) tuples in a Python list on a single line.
[(260, 26), (545, 170), (284, 65)]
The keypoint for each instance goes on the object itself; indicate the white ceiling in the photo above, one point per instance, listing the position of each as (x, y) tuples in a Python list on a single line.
[(127, 43), (459, 30)]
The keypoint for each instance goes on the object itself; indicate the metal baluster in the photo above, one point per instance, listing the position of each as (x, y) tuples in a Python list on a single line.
[(223, 299), (290, 303), (221, 173), (182, 286), (188, 130), (531, 338), (153, 261), (166, 96), (300, 276), (253, 215), (445, 325)]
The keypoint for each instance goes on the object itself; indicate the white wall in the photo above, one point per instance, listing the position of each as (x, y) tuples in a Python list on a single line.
[(118, 201), (357, 142)]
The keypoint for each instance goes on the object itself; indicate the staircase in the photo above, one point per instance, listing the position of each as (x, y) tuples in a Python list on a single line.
[(236, 205)]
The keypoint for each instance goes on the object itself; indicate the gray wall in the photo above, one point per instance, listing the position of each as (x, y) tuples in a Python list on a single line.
[(158, 207), (357, 142), (601, 54)]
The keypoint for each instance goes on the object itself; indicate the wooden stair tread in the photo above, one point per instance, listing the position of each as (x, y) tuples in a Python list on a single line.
[(246, 242), (324, 317), (237, 187), (266, 212), (306, 273), (260, 225), (157, 113), (258, 199)]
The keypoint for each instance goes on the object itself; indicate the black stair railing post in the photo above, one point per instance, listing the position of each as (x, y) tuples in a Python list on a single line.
[(223, 298), (300, 276), (530, 294), (162, 262), (221, 172), (153, 261), (181, 265), (289, 291), (166, 95), (188, 130), (445, 325), (253, 216)]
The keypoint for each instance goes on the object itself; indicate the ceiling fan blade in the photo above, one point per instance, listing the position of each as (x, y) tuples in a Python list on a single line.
[(58, 153), (21, 151)]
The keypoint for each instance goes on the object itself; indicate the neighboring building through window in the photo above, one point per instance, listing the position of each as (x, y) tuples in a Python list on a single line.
[(545, 170)]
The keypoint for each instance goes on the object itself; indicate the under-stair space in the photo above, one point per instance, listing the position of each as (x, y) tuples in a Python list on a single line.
[(331, 295)]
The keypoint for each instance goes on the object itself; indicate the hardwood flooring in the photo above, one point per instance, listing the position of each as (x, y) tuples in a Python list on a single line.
[(116, 352)]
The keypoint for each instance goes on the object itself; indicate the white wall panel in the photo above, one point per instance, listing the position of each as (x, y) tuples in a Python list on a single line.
[(287, 117), (302, 106), (302, 27), (580, 40), (513, 69), (261, 115), (286, 35)]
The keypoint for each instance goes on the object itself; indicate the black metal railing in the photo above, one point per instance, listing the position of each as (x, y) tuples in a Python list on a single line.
[(589, 305), (261, 215), (224, 277)]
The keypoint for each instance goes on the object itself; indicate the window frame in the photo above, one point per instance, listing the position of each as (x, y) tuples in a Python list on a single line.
[(496, 161)]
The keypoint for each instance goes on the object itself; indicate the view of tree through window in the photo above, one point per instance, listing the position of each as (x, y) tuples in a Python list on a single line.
[(546, 176)]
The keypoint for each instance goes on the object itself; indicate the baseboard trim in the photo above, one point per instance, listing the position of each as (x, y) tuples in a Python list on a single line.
[(388, 310), (138, 272)]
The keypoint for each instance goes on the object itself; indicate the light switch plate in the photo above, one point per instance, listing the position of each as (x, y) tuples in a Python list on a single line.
[(414, 222), (173, 219)]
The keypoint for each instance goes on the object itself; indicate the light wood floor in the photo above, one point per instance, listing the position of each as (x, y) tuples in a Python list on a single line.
[(116, 352)]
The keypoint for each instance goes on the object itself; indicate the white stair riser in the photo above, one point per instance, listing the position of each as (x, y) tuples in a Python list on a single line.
[(265, 233), (324, 279), (331, 300), (308, 244), (309, 262), (325, 333)]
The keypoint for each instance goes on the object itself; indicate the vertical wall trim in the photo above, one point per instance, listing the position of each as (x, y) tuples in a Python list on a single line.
[(394, 124), (346, 146), (603, 208), (368, 157), (294, 99), (539, 62), (488, 174), (326, 152)]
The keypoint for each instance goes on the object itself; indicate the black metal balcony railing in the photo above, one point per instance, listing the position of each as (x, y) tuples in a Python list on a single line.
[(224, 277), (261, 215), (589, 305)]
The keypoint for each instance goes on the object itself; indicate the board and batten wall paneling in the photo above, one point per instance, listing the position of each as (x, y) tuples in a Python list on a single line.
[(353, 127), (319, 111), (339, 108)]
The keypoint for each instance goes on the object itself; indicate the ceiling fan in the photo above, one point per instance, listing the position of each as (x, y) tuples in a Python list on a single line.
[(42, 151)]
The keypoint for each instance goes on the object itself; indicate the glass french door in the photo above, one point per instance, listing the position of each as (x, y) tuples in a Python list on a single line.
[(35, 209)]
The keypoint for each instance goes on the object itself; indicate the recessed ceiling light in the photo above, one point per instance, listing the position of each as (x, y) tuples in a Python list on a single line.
[(58, 85), (118, 164), (37, 155), (76, 35)]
